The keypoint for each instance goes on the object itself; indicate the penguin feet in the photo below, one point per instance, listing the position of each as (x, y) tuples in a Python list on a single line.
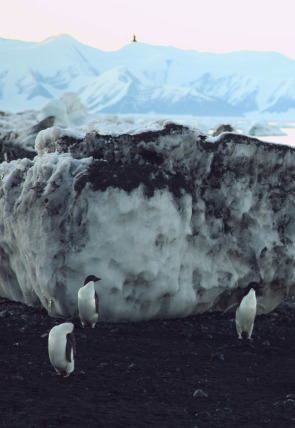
[(62, 373)]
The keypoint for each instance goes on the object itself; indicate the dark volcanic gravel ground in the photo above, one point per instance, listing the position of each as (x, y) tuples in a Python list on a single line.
[(147, 374)]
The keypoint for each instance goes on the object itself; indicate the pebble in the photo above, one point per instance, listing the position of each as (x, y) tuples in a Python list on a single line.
[(225, 411), (82, 336), (131, 366), (287, 404), (15, 377), (217, 355), (290, 404), (200, 393), (4, 314), (185, 333)]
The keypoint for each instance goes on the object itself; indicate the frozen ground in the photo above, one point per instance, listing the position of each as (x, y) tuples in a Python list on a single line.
[(186, 373), (174, 221)]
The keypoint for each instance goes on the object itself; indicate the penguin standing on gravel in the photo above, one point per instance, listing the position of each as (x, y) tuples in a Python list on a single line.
[(88, 303), (62, 348), (246, 311)]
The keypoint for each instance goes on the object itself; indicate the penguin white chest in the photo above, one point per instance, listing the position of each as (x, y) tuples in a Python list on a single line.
[(246, 316), (246, 313), (87, 305)]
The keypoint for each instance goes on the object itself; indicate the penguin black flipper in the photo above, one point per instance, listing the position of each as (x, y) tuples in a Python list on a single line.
[(234, 305), (70, 345), (96, 303)]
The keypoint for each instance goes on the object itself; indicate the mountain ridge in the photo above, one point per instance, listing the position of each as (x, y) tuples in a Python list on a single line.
[(152, 79)]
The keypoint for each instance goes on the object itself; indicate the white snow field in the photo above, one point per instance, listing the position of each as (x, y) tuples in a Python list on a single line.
[(174, 221)]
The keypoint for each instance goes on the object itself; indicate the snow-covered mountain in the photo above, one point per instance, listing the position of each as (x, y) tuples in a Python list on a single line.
[(141, 78)]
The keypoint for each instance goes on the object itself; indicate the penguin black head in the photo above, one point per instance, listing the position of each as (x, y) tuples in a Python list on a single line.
[(256, 286), (91, 278), (74, 320)]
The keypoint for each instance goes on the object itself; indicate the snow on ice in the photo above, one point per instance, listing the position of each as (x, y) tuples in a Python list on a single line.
[(174, 222)]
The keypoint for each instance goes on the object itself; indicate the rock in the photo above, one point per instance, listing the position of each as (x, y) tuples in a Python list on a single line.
[(289, 404), (16, 377), (218, 355), (200, 394), (4, 314), (48, 122), (11, 148), (223, 128), (224, 411)]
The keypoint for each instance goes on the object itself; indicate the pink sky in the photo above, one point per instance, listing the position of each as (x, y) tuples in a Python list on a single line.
[(205, 26)]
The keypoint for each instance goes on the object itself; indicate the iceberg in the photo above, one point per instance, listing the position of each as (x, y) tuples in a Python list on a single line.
[(174, 222)]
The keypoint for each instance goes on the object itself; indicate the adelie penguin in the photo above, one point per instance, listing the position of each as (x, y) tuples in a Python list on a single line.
[(62, 348), (246, 310), (88, 303)]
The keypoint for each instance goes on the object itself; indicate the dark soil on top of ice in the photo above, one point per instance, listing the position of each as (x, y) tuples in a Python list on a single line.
[(182, 373)]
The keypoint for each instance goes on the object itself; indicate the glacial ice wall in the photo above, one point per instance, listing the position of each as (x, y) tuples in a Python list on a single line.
[(175, 223)]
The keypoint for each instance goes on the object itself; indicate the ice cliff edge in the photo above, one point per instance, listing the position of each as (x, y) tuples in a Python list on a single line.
[(173, 222)]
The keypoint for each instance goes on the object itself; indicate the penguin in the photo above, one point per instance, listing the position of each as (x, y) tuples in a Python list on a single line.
[(62, 348), (246, 310), (88, 303)]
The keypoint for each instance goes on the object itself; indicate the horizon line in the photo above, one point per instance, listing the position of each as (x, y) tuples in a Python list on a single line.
[(59, 35)]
